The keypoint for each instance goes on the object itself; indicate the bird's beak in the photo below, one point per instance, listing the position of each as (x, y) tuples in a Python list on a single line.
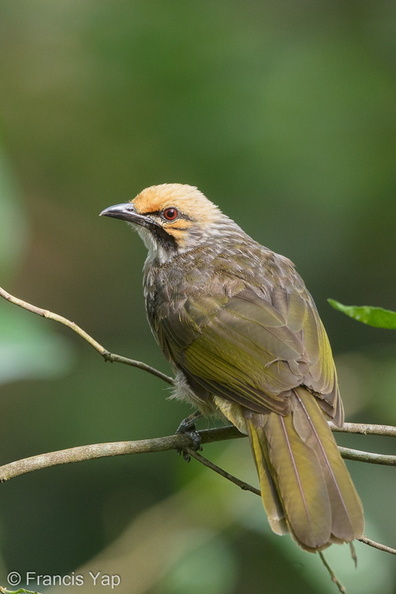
[(126, 212)]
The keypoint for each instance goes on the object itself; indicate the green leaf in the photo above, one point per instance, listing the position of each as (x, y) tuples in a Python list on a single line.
[(372, 316)]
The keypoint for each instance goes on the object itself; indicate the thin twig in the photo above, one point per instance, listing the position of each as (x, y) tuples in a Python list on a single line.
[(45, 313), (365, 429), (353, 553), (372, 458), (340, 586), (230, 477), (377, 545)]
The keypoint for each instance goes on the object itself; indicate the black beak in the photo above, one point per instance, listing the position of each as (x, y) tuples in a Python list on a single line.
[(125, 212)]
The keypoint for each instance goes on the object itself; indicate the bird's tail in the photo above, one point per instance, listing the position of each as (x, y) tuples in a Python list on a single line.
[(306, 488)]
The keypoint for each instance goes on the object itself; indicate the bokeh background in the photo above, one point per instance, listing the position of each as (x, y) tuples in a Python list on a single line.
[(284, 114)]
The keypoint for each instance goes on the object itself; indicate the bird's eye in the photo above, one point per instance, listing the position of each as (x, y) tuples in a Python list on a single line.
[(170, 214)]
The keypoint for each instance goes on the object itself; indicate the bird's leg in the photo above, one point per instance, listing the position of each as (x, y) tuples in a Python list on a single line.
[(187, 426)]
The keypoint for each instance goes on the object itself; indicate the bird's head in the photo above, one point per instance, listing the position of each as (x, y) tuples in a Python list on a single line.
[(171, 218)]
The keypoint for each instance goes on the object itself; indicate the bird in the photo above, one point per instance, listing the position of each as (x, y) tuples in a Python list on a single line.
[(246, 343)]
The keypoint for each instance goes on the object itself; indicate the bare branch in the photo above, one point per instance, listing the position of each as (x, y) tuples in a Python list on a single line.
[(333, 577), (230, 477), (377, 545), (365, 429), (179, 441), (359, 456), (160, 444), (45, 313)]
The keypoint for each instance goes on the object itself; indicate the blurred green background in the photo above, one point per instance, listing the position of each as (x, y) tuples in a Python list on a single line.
[(284, 114)]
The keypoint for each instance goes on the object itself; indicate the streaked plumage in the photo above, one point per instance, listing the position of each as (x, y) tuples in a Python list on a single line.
[(245, 340)]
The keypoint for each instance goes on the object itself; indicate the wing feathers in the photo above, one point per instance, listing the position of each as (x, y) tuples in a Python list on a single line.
[(255, 348)]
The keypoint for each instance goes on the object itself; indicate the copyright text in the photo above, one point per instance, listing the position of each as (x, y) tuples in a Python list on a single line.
[(97, 578)]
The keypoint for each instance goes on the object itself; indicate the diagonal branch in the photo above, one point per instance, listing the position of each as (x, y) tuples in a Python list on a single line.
[(113, 358), (377, 545), (233, 479), (364, 429)]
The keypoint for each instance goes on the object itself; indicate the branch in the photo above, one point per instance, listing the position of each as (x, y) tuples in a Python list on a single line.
[(365, 429), (230, 477), (333, 577), (377, 545), (178, 441), (107, 356), (371, 458)]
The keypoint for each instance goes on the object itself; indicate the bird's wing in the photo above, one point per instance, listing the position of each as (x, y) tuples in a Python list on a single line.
[(253, 350)]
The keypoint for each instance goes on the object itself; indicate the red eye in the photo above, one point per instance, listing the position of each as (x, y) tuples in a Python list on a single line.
[(170, 214)]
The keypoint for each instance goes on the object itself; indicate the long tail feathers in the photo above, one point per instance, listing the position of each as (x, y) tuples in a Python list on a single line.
[(306, 487)]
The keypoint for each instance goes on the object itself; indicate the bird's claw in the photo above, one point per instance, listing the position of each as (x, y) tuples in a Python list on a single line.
[(187, 427)]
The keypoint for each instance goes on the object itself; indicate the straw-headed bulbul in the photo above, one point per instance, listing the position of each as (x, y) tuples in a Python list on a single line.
[(245, 340)]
